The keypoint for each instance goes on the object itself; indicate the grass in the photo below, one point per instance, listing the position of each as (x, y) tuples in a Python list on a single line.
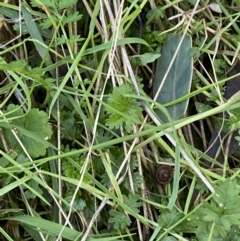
[(81, 137)]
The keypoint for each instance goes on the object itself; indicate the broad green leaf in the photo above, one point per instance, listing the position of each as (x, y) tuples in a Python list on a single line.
[(34, 122), (178, 81)]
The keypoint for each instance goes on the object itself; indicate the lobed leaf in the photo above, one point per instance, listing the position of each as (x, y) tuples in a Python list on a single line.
[(124, 111), (36, 123), (119, 219)]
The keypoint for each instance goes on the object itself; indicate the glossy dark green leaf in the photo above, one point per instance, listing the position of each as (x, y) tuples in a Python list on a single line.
[(178, 81)]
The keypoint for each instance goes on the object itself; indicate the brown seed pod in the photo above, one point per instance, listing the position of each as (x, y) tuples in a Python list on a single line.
[(164, 174)]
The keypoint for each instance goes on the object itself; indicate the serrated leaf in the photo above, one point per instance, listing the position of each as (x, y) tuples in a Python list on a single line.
[(71, 18), (79, 203), (168, 218), (211, 217), (233, 234), (45, 3), (220, 66), (137, 181), (46, 23), (75, 38), (72, 39), (36, 123), (132, 201), (103, 136), (119, 219), (222, 211), (60, 40), (226, 223), (62, 4), (124, 110), (54, 4), (178, 81)]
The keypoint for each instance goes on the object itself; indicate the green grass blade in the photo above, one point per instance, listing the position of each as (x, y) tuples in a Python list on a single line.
[(35, 34)]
